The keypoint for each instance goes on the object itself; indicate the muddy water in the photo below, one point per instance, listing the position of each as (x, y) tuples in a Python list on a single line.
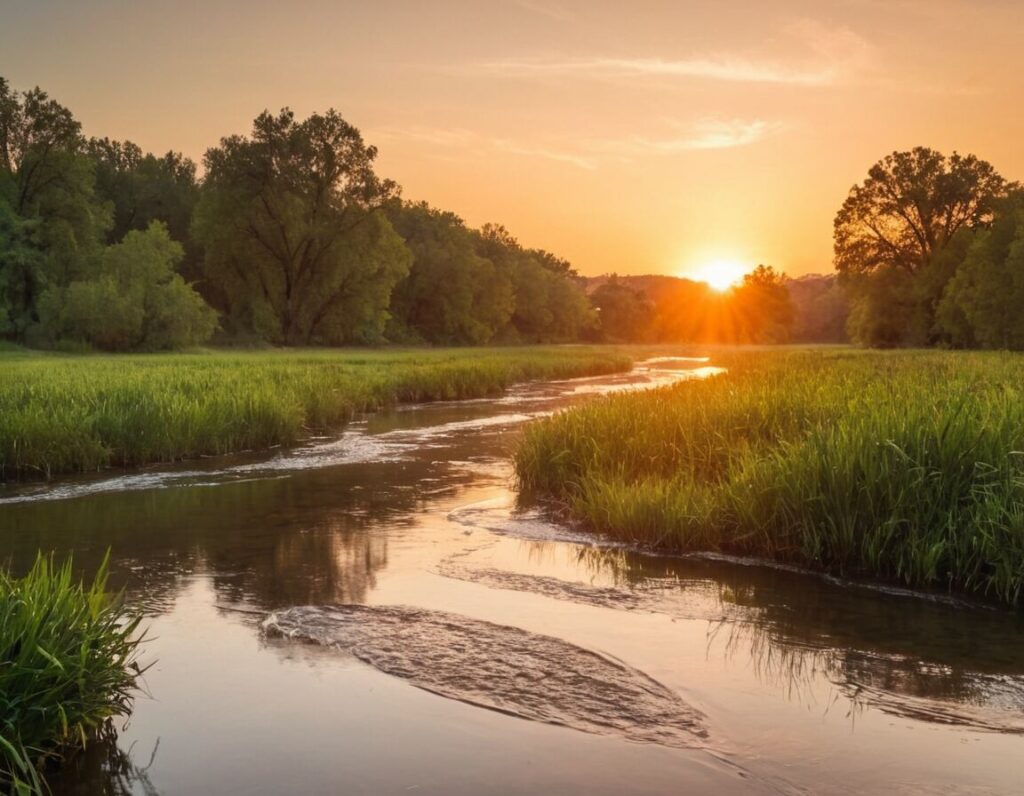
[(375, 614)]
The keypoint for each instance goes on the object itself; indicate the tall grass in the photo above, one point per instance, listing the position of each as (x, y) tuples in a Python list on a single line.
[(67, 666), (904, 466), (64, 414)]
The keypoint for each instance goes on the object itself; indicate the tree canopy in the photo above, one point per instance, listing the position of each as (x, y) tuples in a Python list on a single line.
[(292, 225), (133, 301), (452, 294), (910, 206), (893, 237), (982, 304)]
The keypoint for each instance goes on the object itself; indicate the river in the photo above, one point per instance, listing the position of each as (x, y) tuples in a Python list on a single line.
[(377, 614)]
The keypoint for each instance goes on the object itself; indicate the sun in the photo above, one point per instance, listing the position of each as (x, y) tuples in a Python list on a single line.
[(720, 275)]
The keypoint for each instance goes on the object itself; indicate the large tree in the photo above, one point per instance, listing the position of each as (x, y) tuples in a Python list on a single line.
[(51, 223), (892, 230), (910, 206), (291, 223)]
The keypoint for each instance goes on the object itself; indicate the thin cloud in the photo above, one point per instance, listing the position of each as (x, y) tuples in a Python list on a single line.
[(705, 134), (830, 56), (590, 154), (471, 143), (437, 136), (574, 159), (729, 69)]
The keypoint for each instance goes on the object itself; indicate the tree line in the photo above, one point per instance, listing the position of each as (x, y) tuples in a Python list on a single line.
[(290, 237)]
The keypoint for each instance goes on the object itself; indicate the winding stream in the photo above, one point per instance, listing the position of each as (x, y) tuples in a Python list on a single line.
[(375, 614)]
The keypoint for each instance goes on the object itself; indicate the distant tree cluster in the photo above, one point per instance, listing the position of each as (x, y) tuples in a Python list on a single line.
[(931, 251), (289, 237), (760, 309)]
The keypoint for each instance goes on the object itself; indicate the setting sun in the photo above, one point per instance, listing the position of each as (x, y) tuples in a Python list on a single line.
[(720, 275)]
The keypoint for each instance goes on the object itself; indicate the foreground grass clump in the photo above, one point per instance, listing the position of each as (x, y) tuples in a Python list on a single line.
[(903, 466), (63, 414), (67, 665)]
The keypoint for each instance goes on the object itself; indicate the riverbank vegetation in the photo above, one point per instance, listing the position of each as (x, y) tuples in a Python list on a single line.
[(900, 466), (65, 414), (69, 666)]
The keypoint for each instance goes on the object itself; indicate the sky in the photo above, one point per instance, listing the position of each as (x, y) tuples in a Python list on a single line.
[(640, 137)]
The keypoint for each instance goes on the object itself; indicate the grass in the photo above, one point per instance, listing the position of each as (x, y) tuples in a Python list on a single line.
[(67, 666), (904, 466), (73, 414)]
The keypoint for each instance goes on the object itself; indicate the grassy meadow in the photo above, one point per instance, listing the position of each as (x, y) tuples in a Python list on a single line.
[(902, 466), (69, 666), (74, 414)]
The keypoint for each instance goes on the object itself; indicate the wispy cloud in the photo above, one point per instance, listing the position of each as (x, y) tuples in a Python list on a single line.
[(715, 68), (591, 153), (583, 161), (823, 56), (704, 134)]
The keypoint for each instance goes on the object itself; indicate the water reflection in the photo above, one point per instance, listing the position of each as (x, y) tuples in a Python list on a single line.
[(907, 656), (104, 769)]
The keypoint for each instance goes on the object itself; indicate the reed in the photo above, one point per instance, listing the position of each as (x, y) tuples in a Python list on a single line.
[(67, 666), (68, 414), (902, 466)]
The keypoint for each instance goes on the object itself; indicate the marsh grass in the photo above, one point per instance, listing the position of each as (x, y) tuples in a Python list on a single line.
[(67, 414), (67, 666), (903, 466)]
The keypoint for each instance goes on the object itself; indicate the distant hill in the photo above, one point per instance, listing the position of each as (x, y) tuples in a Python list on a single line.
[(654, 286)]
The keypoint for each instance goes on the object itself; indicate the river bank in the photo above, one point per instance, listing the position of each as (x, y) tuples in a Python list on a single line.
[(64, 414)]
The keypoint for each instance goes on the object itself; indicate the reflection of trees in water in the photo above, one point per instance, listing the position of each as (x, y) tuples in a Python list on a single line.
[(336, 562), (904, 686), (311, 537), (105, 769), (906, 656)]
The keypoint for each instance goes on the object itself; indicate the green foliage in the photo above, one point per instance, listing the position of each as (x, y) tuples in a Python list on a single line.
[(982, 303), (821, 309), (886, 312), (21, 270), (451, 295), (762, 307), (891, 237), (550, 304), (51, 223), (899, 466), (134, 301), (69, 665), (294, 236), (624, 314), (76, 414), (143, 188)]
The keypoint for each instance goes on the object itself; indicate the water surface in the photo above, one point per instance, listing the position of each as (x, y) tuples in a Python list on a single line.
[(376, 614)]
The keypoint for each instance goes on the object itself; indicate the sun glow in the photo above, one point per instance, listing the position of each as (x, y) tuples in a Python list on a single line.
[(720, 275)]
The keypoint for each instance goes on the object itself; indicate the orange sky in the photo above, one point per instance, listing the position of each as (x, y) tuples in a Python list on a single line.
[(653, 139)]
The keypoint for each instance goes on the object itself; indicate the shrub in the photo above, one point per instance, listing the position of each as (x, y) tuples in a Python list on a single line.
[(67, 666)]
